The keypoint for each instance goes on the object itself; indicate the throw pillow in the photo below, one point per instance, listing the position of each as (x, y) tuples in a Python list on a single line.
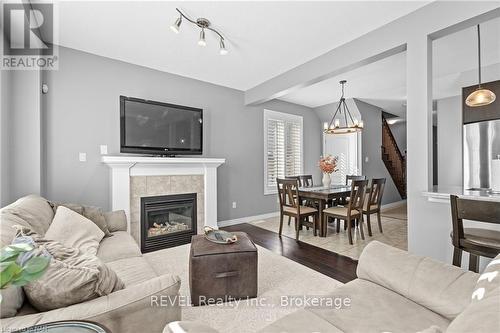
[(488, 281), (117, 220), (72, 277), (94, 214), (74, 230)]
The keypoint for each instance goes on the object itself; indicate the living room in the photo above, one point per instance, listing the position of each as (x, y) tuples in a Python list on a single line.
[(274, 120)]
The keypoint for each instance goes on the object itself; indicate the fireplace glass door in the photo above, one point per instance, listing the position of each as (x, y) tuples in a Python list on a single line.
[(167, 221)]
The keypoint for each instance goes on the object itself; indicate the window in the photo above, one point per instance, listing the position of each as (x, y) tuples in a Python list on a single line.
[(283, 155)]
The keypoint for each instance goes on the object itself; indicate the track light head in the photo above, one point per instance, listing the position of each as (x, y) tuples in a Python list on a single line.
[(202, 41), (177, 25), (222, 50)]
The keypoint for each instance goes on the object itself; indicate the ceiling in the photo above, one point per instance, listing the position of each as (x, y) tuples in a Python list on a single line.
[(264, 39), (383, 83)]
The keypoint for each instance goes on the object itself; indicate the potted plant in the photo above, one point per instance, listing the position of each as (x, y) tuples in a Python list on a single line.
[(328, 165), (20, 264)]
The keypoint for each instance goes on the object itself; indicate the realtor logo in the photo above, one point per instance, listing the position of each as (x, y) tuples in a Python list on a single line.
[(28, 40)]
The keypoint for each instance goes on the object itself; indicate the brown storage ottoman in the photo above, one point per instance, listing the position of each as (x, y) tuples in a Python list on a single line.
[(220, 272)]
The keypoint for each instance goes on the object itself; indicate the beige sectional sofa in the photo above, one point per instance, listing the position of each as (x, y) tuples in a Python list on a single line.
[(126, 310), (400, 292)]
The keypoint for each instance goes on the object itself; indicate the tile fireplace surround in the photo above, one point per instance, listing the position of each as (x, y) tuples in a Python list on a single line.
[(133, 177)]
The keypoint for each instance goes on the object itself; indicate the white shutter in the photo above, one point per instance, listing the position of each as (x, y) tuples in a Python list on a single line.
[(282, 147)]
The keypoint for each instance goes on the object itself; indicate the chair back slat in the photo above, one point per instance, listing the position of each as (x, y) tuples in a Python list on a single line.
[(306, 181), (478, 210), (288, 193), (376, 192), (357, 197), (350, 178)]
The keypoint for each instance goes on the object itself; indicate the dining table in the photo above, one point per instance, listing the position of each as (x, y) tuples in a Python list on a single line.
[(322, 195)]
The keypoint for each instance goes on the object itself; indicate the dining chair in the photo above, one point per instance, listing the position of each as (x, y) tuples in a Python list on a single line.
[(293, 178), (306, 181), (373, 202), (348, 181), (350, 178), (353, 210), (477, 241), (288, 193)]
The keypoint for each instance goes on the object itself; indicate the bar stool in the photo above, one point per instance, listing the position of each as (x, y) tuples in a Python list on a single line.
[(478, 242)]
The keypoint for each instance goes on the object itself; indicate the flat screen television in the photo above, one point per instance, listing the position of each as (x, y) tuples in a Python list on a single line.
[(148, 127)]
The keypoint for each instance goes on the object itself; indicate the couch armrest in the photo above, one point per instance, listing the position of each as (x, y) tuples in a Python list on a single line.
[(440, 287), (134, 309), (116, 220)]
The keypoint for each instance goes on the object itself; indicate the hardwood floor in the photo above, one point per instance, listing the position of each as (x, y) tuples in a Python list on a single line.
[(334, 265)]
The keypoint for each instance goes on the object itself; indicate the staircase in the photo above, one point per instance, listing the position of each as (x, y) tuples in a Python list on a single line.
[(394, 160)]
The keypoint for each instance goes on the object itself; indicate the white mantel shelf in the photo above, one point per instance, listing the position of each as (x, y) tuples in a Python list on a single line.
[(122, 167)]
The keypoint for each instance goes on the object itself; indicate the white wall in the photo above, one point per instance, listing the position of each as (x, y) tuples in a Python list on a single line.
[(449, 126), (5, 83)]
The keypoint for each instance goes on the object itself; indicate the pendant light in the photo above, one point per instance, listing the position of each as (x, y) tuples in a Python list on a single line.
[(480, 96), (342, 121)]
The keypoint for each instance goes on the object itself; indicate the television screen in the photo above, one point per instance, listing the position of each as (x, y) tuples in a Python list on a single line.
[(159, 128)]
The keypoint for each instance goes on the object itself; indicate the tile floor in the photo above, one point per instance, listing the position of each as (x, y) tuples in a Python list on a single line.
[(394, 226)]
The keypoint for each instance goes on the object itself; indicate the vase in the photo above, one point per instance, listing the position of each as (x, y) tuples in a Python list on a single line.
[(327, 181)]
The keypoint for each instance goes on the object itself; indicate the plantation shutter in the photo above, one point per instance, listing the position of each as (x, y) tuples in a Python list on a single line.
[(283, 147)]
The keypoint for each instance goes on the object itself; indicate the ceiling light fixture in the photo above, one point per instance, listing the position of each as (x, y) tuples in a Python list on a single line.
[(177, 25), (203, 24), (480, 96), (342, 121)]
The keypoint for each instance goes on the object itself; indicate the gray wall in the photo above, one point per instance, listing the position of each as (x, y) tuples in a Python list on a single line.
[(449, 141), (82, 112), (5, 85), (21, 135), (371, 143)]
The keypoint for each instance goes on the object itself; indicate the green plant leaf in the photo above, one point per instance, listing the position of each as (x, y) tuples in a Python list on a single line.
[(7, 254), (9, 273), (26, 278), (36, 264)]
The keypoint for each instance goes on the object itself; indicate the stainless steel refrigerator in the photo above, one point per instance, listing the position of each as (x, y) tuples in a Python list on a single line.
[(481, 146)]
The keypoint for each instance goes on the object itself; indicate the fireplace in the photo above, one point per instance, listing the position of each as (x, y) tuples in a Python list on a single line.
[(167, 221)]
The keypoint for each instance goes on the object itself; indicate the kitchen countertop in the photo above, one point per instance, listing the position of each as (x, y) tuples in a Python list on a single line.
[(442, 194)]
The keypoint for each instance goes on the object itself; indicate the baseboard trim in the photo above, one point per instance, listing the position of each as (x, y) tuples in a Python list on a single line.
[(392, 205), (247, 219)]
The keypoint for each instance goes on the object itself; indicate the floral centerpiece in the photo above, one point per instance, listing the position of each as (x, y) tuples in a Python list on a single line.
[(328, 165)]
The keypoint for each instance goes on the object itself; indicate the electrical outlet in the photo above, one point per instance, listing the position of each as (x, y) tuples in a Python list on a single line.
[(367, 159), (82, 157), (234, 204), (104, 149)]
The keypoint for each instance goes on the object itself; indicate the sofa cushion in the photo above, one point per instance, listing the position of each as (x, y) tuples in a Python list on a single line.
[(301, 321), (440, 287), (376, 309), (72, 277), (34, 210), (74, 230), (116, 220), (12, 301), (120, 246), (132, 270)]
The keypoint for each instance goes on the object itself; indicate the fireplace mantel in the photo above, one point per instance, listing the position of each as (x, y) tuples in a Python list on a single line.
[(122, 167)]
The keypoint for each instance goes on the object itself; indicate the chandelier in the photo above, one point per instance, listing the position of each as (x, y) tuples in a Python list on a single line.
[(480, 96), (342, 121), (203, 24)]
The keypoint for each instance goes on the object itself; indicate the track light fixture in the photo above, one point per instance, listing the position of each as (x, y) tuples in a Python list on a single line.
[(203, 24)]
